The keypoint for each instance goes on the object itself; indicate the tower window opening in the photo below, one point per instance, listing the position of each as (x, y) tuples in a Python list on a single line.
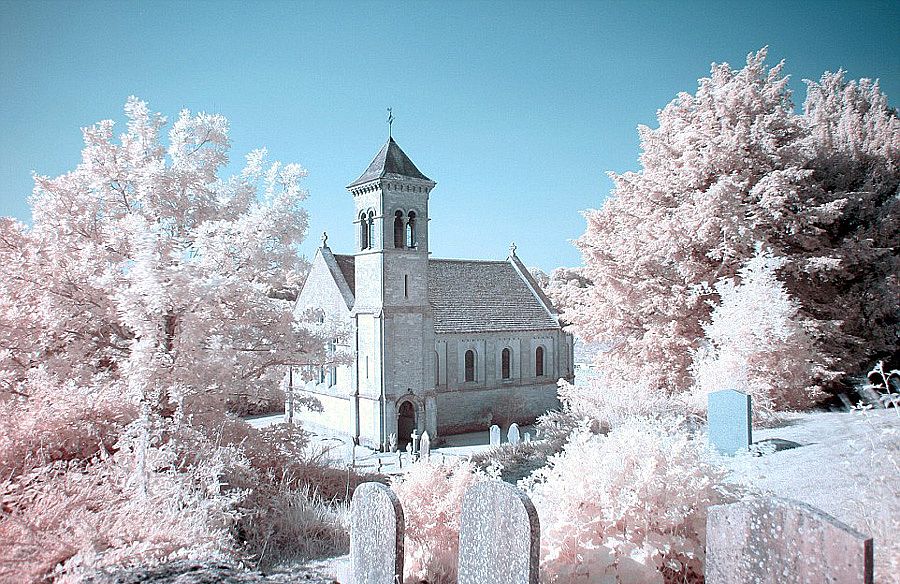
[(437, 369), (398, 229), (363, 232), (371, 237), (504, 364), (411, 230), (539, 362), (470, 365), (406, 285)]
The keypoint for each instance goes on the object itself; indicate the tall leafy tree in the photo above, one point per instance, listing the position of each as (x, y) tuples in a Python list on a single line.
[(145, 270), (729, 167), (148, 289)]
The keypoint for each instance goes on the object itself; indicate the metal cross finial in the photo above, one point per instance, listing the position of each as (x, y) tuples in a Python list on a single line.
[(390, 121), (324, 239), (512, 248)]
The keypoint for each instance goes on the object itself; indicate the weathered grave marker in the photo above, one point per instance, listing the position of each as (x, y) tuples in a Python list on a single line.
[(376, 535), (415, 443), (512, 435), (779, 541), (499, 536), (425, 446), (495, 435), (527, 439), (392, 441), (729, 420)]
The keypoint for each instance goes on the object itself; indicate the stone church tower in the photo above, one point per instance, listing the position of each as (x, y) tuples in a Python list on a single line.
[(394, 321)]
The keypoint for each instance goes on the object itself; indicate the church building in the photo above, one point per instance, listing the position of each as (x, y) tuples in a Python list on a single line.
[(442, 345)]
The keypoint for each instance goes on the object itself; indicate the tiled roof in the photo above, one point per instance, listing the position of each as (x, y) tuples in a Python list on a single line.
[(390, 162), (474, 296), (346, 265), (481, 296)]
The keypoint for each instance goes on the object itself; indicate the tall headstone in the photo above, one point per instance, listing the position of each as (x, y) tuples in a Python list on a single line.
[(376, 535), (495, 435), (512, 435), (729, 419), (425, 446), (779, 541), (499, 536), (415, 442)]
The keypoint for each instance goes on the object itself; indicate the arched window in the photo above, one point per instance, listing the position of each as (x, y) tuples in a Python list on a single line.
[(539, 362), (398, 229), (363, 231), (437, 369), (371, 238), (470, 365), (504, 364), (411, 230)]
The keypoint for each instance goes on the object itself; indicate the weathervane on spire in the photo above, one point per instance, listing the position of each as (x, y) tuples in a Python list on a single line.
[(390, 121)]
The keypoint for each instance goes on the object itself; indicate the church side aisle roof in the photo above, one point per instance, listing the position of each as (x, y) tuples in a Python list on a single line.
[(481, 296), (390, 162)]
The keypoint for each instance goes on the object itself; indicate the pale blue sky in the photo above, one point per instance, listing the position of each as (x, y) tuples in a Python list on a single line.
[(516, 109)]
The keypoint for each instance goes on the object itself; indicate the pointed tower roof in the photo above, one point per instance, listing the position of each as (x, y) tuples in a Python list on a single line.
[(390, 162)]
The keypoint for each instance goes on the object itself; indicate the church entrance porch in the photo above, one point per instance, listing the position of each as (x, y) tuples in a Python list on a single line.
[(406, 423)]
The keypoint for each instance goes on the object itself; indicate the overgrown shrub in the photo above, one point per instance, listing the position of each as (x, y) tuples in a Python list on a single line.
[(431, 494), (629, 506)]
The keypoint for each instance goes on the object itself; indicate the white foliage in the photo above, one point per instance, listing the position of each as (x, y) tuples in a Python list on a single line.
[(755, 341)]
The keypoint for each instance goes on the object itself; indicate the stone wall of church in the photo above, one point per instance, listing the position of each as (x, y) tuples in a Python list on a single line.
[(336, 415), (474, 410), (450, 350), (490, 398)]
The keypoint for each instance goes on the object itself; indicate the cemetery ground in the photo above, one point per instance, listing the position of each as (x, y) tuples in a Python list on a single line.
[(842, 463)]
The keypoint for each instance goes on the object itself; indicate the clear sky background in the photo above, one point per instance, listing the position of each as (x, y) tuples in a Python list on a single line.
[(516, 109)]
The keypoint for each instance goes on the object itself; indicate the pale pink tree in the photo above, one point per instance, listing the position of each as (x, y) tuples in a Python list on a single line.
[(147, 289), (729, 166)]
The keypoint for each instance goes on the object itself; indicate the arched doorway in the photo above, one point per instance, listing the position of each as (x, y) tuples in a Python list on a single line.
[(406, 423)]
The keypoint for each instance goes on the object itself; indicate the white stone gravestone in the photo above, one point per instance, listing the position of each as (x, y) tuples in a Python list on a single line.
[(415, 443), (392, 442), (779, 541), (495, 435), (376, 535), (499, 536), (729, 420), (512, 435), (425, 446), (527, 439)]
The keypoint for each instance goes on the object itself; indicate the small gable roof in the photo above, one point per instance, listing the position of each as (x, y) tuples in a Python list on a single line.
[(347, 266), (337, 266), (390, 162)]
